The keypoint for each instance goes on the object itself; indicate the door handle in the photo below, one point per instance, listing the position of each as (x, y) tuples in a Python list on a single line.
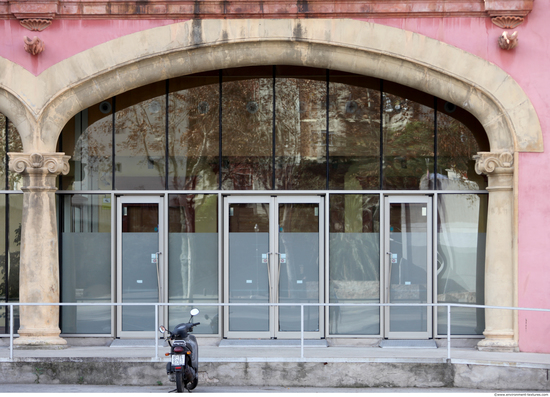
[(158, 277)]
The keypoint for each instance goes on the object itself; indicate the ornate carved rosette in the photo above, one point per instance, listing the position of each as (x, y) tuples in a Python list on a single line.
[(35, 24), (54, 163), (507, 21), (487, 162)]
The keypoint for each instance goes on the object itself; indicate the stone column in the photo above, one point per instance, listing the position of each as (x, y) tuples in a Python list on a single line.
[(39, 265), (499, 263)]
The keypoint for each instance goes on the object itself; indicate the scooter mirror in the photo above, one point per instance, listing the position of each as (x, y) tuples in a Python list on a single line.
[(162, 329), (194, 312)]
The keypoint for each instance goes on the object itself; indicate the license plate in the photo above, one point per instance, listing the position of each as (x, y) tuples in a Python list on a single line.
[(178, 359)]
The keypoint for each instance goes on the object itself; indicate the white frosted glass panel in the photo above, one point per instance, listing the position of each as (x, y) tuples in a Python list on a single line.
[(354, 278), (86, 277), (193, 277), (248, 281), (461, 261), (139, 280), (299, 280)]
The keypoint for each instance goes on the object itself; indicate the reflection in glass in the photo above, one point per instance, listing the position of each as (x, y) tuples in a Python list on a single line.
[(88, 139), (249, 279), (298, 267), (456, 146), (193, 259), (408, 144), (140, 138), (354, 274), (140, 272), (9, 257), (193, 120), (408, 266), (9, 132), (14, 145), (354, 151), (462, 225), (85, 263), (300, 129), (247, 117)]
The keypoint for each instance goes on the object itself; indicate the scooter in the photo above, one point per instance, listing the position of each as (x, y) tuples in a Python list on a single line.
[(183, 367)]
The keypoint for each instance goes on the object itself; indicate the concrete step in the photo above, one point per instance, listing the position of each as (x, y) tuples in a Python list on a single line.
[(278, 372)]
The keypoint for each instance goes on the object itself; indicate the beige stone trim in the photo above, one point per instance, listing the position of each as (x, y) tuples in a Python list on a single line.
[(354, 46), (500, 270)]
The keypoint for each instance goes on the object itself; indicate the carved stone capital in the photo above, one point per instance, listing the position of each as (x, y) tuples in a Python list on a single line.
[(494, 163), (52, 163)]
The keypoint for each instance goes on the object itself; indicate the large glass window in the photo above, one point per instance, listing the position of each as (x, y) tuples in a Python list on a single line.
[(354, 264), (140, 138), (193, 132), (354, 149), (193, 258), (85, 223), (247, 128), (300, 128), (88, 139), (273, 128)]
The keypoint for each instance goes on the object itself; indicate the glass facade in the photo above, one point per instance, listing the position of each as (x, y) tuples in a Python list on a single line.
[(193, 140), (273, 128)]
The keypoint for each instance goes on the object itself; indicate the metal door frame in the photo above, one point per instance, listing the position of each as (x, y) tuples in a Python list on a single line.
[(159, 200), (273, 275), (404, 199)]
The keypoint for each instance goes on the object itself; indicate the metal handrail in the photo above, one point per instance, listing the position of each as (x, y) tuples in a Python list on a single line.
[(301, 305)]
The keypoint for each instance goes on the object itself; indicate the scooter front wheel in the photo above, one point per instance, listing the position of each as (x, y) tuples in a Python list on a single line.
[(179, 382)]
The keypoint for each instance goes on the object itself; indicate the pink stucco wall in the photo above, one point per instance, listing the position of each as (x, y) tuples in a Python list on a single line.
[(528, 64)]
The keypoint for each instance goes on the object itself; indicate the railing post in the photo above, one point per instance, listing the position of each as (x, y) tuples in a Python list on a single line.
[(155, 332), (302, 330), (448, 332), (11, 332)]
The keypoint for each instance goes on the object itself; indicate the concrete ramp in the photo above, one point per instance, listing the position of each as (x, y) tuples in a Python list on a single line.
[(272, 343), (408, 344)]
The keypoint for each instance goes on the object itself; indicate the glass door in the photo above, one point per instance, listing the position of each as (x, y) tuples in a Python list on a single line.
[(408, 266), (273, 253), (139, 263)]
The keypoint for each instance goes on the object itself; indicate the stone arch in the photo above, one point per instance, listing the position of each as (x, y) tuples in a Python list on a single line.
[(411, 59)]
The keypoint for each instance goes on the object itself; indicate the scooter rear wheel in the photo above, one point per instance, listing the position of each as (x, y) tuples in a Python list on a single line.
[(179, 382)]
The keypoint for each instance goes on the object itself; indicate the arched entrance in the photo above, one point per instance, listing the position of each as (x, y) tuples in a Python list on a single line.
[(352, 46)]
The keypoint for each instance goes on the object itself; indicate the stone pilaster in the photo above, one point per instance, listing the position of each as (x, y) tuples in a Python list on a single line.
[(499, 264), (39, 265)]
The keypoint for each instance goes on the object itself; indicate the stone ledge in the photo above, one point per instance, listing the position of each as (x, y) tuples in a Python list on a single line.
[(290, 374)]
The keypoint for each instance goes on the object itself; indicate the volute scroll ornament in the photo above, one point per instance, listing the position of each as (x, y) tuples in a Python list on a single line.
[(488, 162), (53, 163)]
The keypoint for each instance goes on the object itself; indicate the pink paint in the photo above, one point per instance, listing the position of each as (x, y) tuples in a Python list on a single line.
[(528, 64), (65, 38)]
